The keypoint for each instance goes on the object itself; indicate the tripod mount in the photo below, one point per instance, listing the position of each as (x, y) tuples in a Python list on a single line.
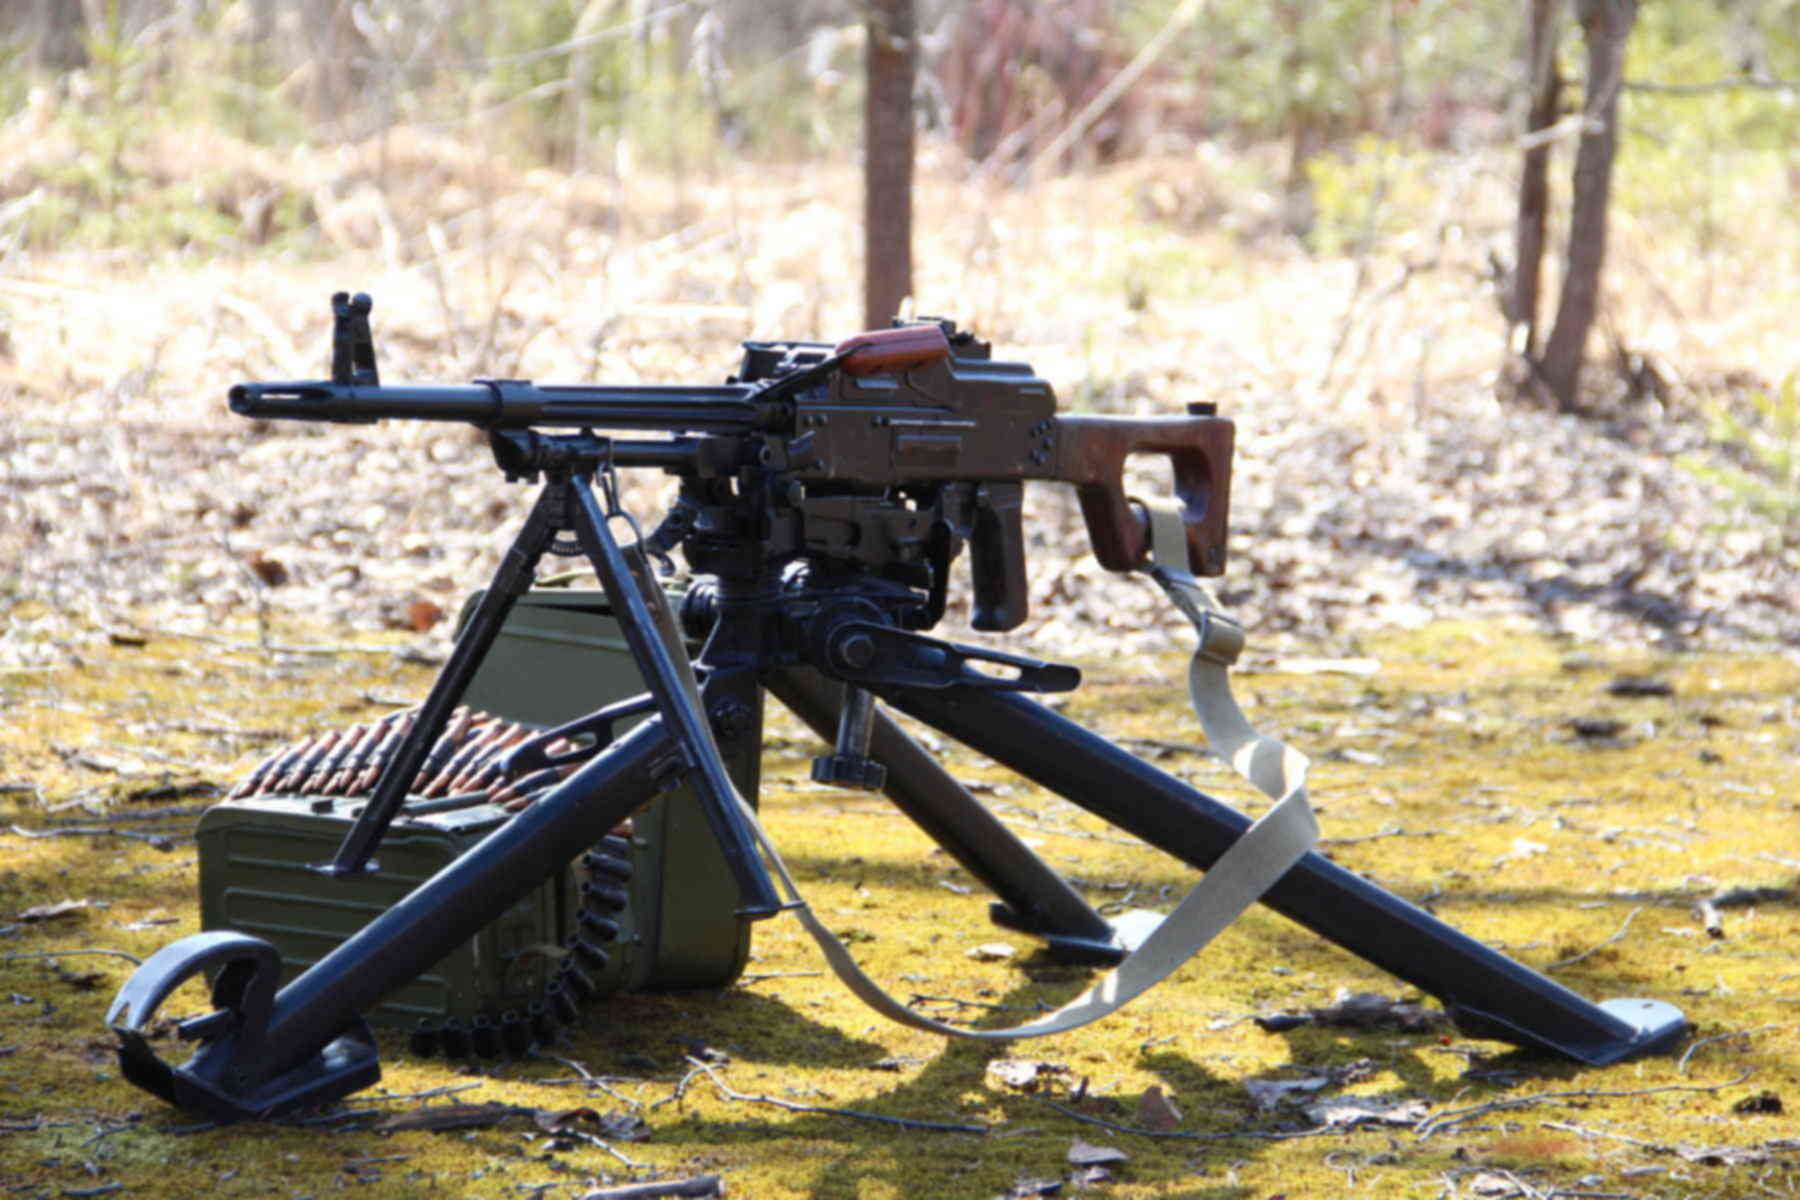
[(815, 575)]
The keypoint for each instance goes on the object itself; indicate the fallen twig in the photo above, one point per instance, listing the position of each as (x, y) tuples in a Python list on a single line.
[(129, 815), (324, 650), (596, 1140), (161, 841), (1584, 1131), (1629, 918), (681, 1087), (589, 1079), (130, 958), (222, 729), (1682, 1062), (449, 1089), (184, 1130), (349, 1114), (106, 1130), (699, 1185), (730, 1093), (921, 997), (1390, 831), (1268, 1135), (1461, 1116)]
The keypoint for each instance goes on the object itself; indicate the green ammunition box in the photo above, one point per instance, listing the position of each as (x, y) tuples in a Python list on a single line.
[(666, 888)]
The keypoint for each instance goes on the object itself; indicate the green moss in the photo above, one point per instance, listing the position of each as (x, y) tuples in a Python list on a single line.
[(1486, 800)]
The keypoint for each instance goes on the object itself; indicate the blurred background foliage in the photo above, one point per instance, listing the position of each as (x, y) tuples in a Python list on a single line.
[(314, 128), (1330, 89)]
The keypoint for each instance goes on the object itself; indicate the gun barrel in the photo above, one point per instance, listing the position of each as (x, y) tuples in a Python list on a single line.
[(512, 404)]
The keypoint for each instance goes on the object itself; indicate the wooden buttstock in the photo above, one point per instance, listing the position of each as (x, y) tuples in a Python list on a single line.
[(1091, 454)]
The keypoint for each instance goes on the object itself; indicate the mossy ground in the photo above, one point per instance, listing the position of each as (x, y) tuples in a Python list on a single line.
[(1484, 800)]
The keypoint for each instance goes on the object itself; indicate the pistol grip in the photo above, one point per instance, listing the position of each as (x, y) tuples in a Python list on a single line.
[(997, 557)]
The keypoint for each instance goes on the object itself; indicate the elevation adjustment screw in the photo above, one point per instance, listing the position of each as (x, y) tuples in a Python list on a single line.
[(849, 771), (856, 651)]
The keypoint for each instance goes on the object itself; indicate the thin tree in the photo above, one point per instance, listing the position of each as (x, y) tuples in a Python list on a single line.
[(49, 32), (1605, 28), (1534, 183), (891, 62)]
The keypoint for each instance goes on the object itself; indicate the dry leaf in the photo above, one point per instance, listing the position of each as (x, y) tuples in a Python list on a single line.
[(1761, 1104), (272, 571), (1157, 1111), (1025, 1074), (1371, 1010), (1266, 1094), (616, 1127), (87, 981), (1086, 1154), (550, 1120), (49, 912), (423, 614), (624, 1127), (1345, 1111)]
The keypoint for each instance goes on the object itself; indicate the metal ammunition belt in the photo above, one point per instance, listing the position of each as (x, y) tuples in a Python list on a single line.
[(469, 762), (467, 767), (513, 1031)]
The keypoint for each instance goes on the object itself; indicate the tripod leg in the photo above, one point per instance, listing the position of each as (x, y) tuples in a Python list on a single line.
[(312, 1048), (686, 720), (1034, 898), (1486, 993), (511, 578)]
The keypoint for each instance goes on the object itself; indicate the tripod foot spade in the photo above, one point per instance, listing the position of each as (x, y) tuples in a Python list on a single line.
[(1636, 1026), (1129, 929), (237, 1074)]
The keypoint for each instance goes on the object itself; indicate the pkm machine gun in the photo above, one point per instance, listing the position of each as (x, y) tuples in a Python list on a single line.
[(825, 492)]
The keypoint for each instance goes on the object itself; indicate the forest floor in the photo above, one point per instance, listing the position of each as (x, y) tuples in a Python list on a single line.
[(181, 590), (1455, 775)]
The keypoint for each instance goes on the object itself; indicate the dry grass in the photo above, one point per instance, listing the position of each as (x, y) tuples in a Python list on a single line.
[(1381, 474)]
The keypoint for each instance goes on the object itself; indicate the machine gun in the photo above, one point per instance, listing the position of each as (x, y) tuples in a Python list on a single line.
[(825, 492)]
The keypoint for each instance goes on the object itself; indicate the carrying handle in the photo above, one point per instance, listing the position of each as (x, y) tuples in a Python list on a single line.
[(880, 351), (1091, 453)]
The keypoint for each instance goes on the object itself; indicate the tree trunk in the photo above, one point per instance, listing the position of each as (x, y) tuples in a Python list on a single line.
[(1534, 188), (1605, 28), (51, 33), (888, 160)]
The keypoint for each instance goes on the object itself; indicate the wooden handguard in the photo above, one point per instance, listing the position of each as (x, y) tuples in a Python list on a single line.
[(1091, 454), (883, 350)]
